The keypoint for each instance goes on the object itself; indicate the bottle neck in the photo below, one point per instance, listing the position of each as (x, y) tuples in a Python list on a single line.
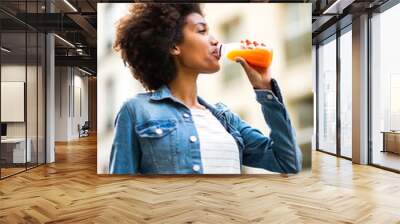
[(220, 50), (224, 48)]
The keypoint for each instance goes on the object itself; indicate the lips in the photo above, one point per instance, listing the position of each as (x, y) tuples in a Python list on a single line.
[(216, 54)]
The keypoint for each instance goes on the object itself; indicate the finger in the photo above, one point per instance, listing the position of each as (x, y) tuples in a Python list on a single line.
[(250, 72), (249, 44), (244, 64), (269, 71)]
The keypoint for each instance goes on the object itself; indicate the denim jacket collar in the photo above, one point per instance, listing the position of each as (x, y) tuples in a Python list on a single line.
[(161, 93)]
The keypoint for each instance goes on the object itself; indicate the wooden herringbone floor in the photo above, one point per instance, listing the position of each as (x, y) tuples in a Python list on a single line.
[(70, 191)]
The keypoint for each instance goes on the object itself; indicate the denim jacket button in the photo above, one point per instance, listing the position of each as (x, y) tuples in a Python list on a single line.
[(193, 138), (159, 131), (186, 115), (196, 167), (269, 96)]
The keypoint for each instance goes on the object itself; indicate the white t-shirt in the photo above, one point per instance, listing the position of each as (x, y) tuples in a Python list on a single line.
[(218, 149)]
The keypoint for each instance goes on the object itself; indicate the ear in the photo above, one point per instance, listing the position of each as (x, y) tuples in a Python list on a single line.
[(175, 50)]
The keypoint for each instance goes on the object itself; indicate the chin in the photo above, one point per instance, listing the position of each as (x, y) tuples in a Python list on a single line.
[(212, 69)]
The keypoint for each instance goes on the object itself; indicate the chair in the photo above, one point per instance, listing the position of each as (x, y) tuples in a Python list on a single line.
[(84, 130)]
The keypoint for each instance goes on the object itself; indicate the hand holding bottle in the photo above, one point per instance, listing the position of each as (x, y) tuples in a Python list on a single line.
[(259, 76)]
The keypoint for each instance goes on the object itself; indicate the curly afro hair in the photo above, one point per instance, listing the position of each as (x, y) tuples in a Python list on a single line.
[(145, 36)]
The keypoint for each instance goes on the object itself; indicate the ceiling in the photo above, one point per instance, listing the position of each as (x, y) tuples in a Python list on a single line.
[(328, 16), (76, 22)]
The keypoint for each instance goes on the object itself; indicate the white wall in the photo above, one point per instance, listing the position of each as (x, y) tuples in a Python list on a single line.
[(71, 94), (314, 90), (80, 118), (12, 73), (61, 113), (33, 126)]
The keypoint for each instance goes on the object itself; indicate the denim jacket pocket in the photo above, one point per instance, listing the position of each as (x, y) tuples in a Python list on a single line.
[(159, 139), (155, 128)]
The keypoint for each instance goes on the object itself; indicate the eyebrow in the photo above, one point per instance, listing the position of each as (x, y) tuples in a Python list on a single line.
[(201, 23)]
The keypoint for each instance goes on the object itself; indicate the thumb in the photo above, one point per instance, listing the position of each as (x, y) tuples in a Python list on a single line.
[(244, 64)]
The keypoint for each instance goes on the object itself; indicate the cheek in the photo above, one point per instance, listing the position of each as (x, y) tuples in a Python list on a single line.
[(201, 61), (197, 47), (195, 55)]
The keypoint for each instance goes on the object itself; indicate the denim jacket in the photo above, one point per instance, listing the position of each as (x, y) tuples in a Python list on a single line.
[(154, 135)]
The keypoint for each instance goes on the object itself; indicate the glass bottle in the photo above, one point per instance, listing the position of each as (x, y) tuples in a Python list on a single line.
[(259, 56)]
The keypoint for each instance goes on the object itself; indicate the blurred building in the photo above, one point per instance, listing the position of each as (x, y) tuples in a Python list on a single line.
[(289, 36), (285, 29), (115, 81)]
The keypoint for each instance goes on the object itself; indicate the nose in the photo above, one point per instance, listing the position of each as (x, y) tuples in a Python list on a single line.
[(213, 41)]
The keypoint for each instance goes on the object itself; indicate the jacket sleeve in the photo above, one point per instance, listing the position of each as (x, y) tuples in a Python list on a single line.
[(125, 154), (279, 151)]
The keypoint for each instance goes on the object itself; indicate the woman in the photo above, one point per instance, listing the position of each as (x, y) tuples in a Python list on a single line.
[(170, 130)]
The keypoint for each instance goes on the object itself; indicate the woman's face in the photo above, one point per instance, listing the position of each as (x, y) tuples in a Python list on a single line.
[(198, 51)]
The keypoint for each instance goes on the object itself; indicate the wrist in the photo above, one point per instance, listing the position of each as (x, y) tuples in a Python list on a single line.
[(263, 86)]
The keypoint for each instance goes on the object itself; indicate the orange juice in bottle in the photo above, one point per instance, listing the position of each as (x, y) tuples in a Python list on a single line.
[(259, 56)]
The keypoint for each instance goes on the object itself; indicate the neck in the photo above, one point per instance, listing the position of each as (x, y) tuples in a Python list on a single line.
[(184, 88)]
